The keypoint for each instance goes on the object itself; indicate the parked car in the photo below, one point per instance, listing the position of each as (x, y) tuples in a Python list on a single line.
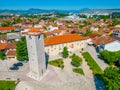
[(14, 68), (18, 64)]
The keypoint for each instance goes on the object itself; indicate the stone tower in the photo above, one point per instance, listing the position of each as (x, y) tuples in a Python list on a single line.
[(36, 53)]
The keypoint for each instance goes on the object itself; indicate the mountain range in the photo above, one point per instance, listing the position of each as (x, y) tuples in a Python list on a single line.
[(39, 11)]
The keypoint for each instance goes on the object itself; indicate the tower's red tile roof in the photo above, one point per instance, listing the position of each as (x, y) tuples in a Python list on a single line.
[(62, 39)]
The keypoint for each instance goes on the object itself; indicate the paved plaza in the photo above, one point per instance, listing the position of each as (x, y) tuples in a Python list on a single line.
[(56, 78)]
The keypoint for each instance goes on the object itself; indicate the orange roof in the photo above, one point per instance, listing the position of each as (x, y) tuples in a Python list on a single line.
[(11, 53), (11, 46), (48, 33), (62, 39), (34, 30), (3, 46), (104, 39), (56, 31), (7, 46), (6, 28)]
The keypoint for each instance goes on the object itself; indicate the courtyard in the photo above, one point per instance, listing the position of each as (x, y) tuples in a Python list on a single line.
[(56, 78)]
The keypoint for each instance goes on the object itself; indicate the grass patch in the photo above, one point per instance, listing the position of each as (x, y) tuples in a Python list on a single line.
[(78, 70), (57, 63), (91, 62), (7, 85)]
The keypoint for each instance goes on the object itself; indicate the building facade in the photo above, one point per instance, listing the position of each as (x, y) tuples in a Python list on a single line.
[(54, 45)]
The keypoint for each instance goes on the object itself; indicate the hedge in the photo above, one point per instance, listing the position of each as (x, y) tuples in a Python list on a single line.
[(91, 62)]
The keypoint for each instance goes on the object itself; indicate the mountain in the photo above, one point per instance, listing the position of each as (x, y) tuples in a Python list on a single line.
[(38, 11)]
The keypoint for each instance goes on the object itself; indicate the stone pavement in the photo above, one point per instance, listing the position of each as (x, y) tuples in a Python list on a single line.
[(58, 79), (67, 64)]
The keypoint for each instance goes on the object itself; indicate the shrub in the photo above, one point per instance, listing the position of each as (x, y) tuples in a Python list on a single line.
[(57, 63), (76, 60), (78, 70), (65, 52)]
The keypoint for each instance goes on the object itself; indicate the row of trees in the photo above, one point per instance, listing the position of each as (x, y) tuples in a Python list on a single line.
[(2, 55), (111, 76), (22, 53)]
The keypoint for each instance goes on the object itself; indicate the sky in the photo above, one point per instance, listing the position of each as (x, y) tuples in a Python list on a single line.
[(59, 4)]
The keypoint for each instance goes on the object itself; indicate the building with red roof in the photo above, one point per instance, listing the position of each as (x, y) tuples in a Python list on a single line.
[(55, 44), (6, 29)]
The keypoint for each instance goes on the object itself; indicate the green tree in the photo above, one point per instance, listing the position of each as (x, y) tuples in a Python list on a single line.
[(110, 57), (82, 16), (44, 35), (87, 32), (111, 78), (2, 55), (76, 60), (22, 53), (65, 52)]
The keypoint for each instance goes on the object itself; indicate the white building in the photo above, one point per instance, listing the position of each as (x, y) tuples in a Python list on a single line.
[(51, 28), (113, 46)]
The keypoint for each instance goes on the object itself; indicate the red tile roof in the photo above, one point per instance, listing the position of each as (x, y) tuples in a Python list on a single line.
[(3, 46), (56, 31), (11, 53), (6, 28), (62, 39), (34, 30), (11, 46), (104, 39)]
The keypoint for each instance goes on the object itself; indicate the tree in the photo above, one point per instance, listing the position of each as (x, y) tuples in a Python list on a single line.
[(22, 53), (110, 57), (87, 32), (76, 60), (82, 16), (65, 52), (111, 78), (2, 55), (45, 35)]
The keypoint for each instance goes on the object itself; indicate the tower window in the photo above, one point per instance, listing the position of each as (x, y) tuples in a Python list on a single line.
[(39, 36)]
